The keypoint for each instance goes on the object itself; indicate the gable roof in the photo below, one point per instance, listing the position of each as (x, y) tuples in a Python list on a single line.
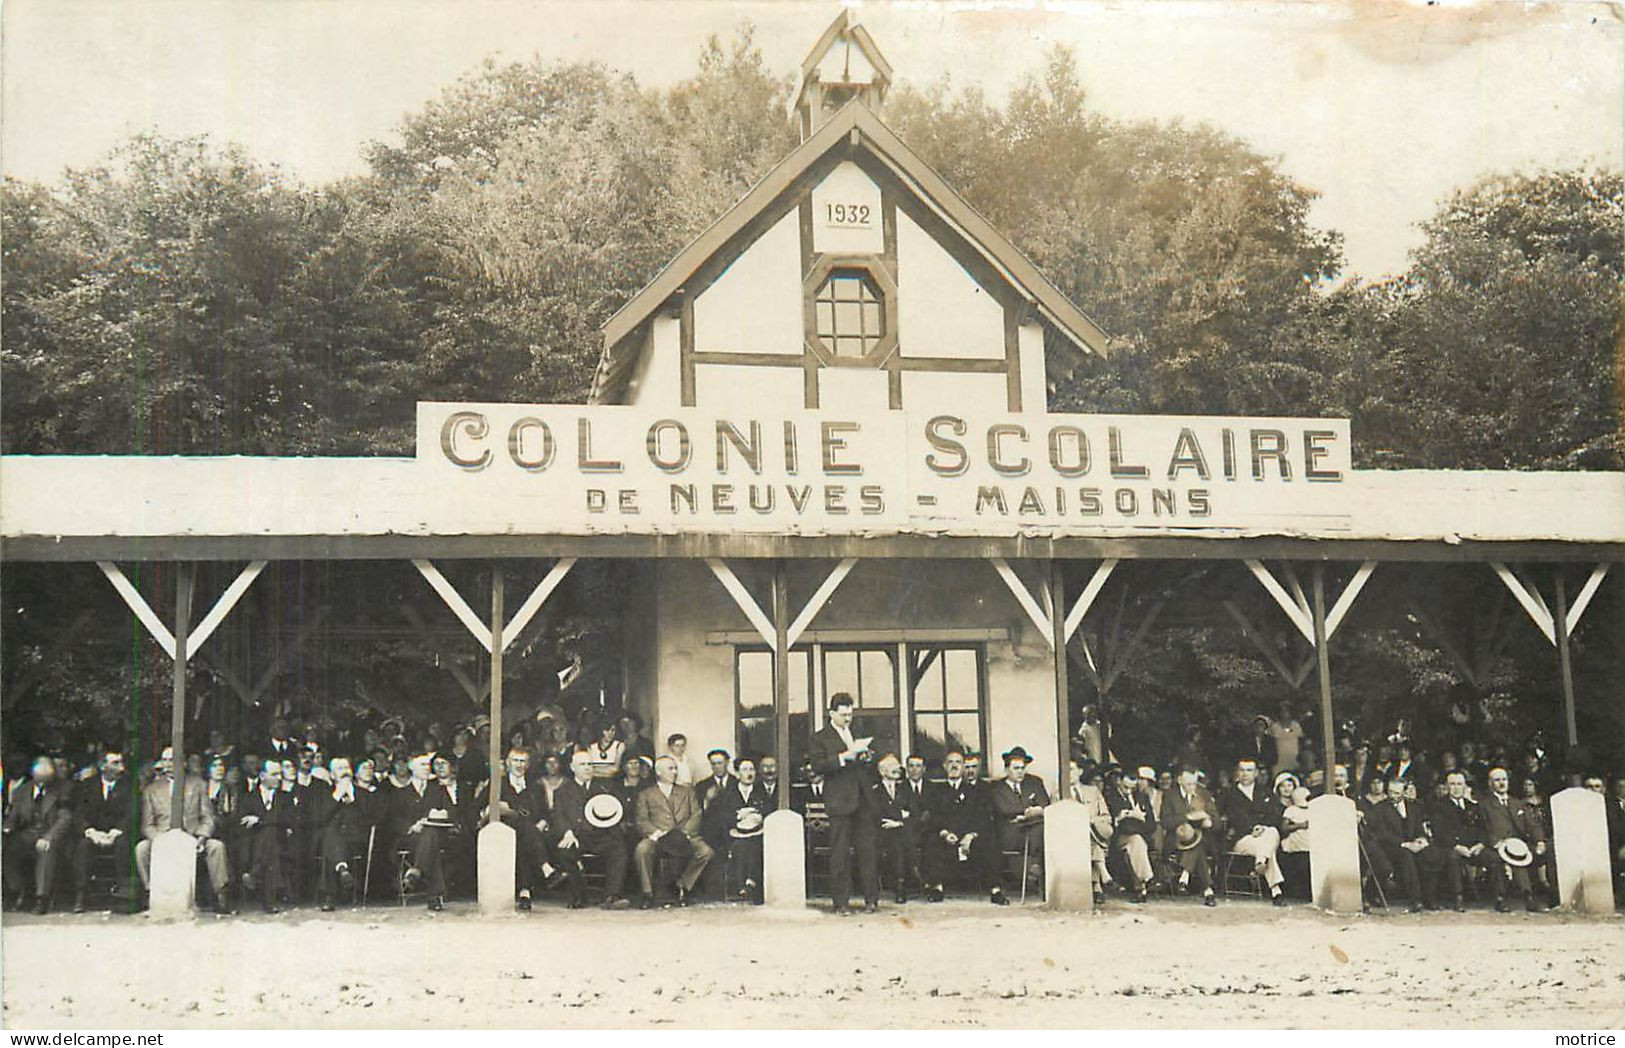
[(855, 122)]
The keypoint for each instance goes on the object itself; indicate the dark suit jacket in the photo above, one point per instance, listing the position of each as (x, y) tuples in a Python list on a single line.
[(1241, 814), (1389, 829), (1616, 827), (350, 819), (50, 817), (901, 807), (722, 815), (1008, 803), (1452, 826), (959, 810), (464, 811), (704, 789), (1175, 812), (118, 811), (570, 805), (919, 802), (843, 784), (524, 807), (406, 807), (658, 813), (1512, 819), (278, 818), (1128, 825)]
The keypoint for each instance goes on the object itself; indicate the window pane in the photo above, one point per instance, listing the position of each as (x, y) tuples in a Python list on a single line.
[(930, 740), (755, 683), (879, 680), (928, 693), (800, 662), (871, 318), (964, 686), (848, 318), (840, 673), (826, 318), (756, 736), (965, 733), (850, 347)]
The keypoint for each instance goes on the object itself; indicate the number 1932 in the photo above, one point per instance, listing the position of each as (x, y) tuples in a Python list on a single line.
[(846, 214)]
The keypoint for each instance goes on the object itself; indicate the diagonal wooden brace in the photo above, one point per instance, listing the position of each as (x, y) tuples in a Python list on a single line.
[(205, 628), (521, 618), (760, 620), (1040, 615)]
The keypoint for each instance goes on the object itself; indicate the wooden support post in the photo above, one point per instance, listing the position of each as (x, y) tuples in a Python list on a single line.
[(1328, 729), (781, 672), (1063, 724), (495, 751), (177, 715), (1561, 622)]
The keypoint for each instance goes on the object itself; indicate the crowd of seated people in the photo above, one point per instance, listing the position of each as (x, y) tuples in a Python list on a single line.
[(601, 815)]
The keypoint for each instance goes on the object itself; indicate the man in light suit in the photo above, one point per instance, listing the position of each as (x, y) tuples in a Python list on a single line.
[(197, 818), (1505, 816), (846, 763), (36, 833), (669, 819)]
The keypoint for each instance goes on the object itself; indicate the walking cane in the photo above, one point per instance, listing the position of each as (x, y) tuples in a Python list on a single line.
[(1376, 882), (1025, 843), (366, 879)]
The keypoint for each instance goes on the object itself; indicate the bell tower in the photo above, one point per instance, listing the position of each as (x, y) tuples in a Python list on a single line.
[(843, 65)]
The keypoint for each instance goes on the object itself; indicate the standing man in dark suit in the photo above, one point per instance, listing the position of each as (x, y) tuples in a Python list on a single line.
[(1506, 818), (109, 818), (1458, 838), (959, 837), (1018, 811), (1396, 831), (917, 790), (846, 764), (1616, 829), (36, 833)]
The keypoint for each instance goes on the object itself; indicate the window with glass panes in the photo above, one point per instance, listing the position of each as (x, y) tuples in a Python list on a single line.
[(869, 675), (849, 315), (946, 700), (753, 699)]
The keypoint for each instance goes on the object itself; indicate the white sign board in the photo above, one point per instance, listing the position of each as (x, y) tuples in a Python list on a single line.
[(568, 468)]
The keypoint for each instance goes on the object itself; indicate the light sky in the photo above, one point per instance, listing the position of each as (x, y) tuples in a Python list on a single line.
[(1383, 106)]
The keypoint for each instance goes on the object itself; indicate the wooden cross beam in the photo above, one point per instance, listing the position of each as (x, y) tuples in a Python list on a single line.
[(521, 618), (1528, 595), (204, 629), (1295, 678), (1040, 616), (760, 620), (1296, 605)]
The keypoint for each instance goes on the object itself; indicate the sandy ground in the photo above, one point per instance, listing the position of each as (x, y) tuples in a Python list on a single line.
[(955, 964)]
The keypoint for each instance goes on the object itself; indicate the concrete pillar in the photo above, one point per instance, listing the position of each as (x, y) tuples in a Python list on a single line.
[(1067, 858), (174, 874), (1580, 845), (1334, 854), (784, 860), (497, 847)]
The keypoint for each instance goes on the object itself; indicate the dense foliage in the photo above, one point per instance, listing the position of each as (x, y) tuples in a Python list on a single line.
[(183, 298)]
